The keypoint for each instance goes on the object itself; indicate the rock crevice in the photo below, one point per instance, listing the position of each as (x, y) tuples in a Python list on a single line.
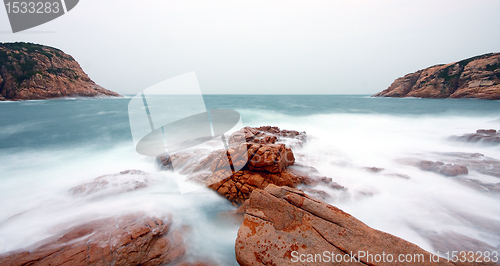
[(282, 222)]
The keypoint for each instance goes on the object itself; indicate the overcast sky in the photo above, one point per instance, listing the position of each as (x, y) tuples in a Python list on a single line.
[(261, 47)]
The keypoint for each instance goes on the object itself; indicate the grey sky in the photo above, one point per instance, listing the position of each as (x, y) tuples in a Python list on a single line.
[(278, 47)]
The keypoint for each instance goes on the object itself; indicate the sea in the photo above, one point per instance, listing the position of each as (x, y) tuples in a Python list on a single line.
[(48, 147)]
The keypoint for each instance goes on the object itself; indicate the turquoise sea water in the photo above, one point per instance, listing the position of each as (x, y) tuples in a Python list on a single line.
[(53, 123), (47, 147)]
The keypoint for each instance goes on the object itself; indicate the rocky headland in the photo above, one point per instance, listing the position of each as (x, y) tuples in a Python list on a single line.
[(32, 72), (476, 77)]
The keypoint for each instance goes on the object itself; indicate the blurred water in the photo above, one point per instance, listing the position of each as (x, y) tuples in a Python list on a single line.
[(48, 147)]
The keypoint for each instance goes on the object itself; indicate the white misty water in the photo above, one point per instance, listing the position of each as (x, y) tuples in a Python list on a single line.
[(36, 202), (341, 145)]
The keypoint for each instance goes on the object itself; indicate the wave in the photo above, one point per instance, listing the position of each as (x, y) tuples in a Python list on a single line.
[(36, 182)]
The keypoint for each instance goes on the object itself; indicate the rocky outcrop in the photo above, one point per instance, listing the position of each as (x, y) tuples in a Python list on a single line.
[(444, 168), (262, 157), (458, 165), (265, 164), (270, 158), (473, 161), (128, 240), (256, 158), (476, 77), (268, 135), (439, 167), (239, 186), (31, 71), (283, 225), (490, 136)]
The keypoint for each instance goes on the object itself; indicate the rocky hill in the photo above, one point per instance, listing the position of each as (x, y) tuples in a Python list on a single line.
[(31, 71), (476, 77)]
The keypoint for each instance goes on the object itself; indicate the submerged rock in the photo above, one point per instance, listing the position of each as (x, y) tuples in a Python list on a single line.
[(125, 181), (403, 176), (373, 169), (449, 241), (438, 167), (460, 163), (474, 161), (481, 186), (490, 136), (337, 186), (127, 240), (443, 168)]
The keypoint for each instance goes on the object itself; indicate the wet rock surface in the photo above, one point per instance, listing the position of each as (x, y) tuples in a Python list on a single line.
[(125, 181), (239, 186), (444, 168), (488, 136), (451, 241), (459, 165), (280, 223), (255, 158), (268, 158), (474, 161), (265, 164), (479, 185), (128, 240), (268, 135)]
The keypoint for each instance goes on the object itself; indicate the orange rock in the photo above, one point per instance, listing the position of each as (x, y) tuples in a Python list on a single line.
[(271, 158), (281, 223), (239, 186), (127, 240), (235, 173)]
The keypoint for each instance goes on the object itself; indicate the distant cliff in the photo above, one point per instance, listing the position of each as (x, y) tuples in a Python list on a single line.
[(31, 71), (476, 77)]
